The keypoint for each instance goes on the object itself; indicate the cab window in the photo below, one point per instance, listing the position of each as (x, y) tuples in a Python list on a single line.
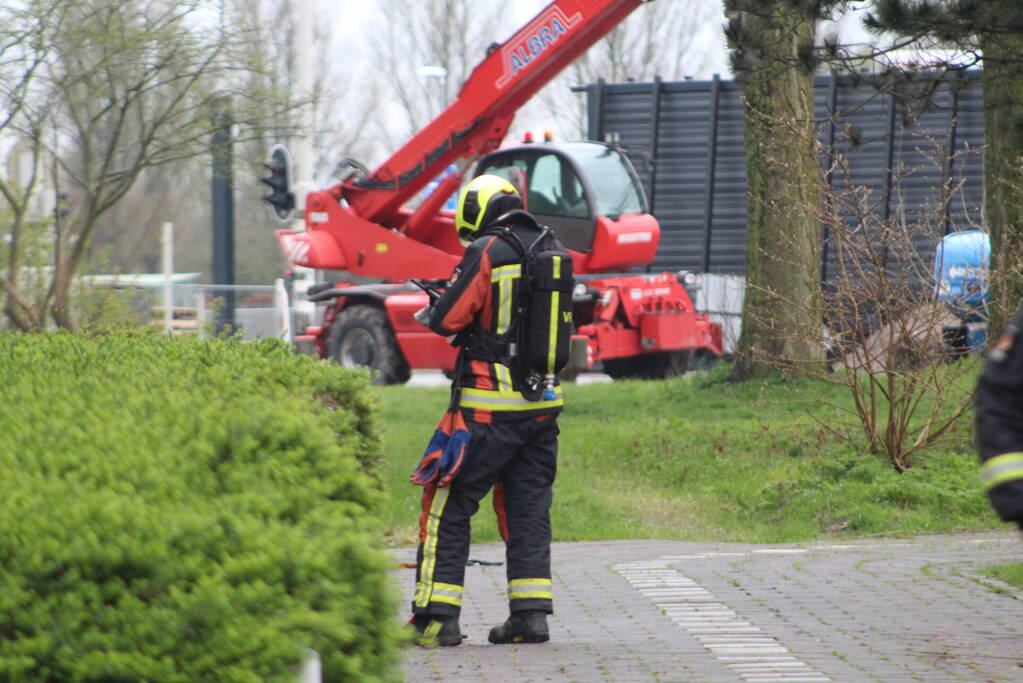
[(551, 186), (512, 170), (608, 172), (555, 190)]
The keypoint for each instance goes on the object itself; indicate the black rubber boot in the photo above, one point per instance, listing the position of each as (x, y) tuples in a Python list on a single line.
[(527, 626), (433, 630)]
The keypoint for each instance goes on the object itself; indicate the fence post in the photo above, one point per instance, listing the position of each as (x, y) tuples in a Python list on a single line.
[(655, 129), (948, 167), (222, 191), (282, 312), (828, 158), (712, 161), (167, 246), (312, 670), (200, 311)]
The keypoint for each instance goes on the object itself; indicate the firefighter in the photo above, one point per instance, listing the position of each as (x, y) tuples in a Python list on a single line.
[(513, 446), (999, 423)]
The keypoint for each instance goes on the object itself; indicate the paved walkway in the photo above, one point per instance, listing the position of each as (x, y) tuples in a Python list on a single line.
[(864, 610)]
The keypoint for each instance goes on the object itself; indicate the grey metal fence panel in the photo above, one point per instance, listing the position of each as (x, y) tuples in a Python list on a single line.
[(905, 144)]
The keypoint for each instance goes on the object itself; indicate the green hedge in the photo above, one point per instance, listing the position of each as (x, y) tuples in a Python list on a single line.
[(181, 510)]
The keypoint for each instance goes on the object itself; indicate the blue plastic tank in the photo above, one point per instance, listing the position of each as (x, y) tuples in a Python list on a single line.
[(961, 263), (452, 201)]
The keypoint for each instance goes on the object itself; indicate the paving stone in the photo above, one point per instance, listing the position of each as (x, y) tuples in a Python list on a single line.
[(879, 609)]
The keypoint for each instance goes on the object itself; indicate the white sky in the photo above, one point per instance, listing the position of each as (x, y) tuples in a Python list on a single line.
[(352, 35), (354, 17)]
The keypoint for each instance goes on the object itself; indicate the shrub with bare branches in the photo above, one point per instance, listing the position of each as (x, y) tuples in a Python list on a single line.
[(886, 332)]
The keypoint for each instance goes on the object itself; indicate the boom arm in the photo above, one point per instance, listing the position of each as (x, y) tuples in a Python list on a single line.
[(476, 122), (369, 233), (360, 225)]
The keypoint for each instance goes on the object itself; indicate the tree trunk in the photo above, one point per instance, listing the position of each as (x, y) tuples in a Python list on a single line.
[(1003, 170), (782, 321), (16, 309)]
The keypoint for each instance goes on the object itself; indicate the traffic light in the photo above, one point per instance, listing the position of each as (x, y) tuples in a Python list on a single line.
[(279, 181), (61, 209)]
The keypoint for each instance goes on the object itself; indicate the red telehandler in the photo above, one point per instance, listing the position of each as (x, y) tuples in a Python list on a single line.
[(638, 325)]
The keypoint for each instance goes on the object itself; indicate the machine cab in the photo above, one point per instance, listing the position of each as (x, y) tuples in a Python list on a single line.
[(582, 190)]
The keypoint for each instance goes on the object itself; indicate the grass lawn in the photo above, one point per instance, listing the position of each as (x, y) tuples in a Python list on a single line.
[(704, 460), (1011, 574)]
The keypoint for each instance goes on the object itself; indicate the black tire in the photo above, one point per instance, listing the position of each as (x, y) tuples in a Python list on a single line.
[(619, 368), (659, 365), (668, 364), (703, 359), (362, 337), (569, 375)]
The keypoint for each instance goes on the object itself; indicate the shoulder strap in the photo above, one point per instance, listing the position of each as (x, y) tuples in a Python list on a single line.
[(546, 235), (456, 383), (508, 235), (502, 229), (520, 245)]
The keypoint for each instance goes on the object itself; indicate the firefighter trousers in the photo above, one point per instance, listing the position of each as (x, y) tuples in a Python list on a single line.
[(518, 459)]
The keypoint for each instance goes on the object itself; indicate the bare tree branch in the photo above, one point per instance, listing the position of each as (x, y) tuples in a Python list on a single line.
[(108, 89)]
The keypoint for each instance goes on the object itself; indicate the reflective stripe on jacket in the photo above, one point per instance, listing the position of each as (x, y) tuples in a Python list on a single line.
[(484, 292)]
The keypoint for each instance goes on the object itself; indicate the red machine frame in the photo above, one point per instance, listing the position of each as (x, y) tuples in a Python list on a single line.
[(362, 226)]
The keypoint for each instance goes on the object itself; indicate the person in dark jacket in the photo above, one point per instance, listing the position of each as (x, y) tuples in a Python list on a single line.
[(999, 422), (513, 446)]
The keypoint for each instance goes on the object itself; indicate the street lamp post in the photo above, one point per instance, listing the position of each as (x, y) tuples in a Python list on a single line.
[(430, 71)]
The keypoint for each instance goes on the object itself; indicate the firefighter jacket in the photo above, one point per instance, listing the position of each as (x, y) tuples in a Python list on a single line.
[(999, 422), (483, 294)]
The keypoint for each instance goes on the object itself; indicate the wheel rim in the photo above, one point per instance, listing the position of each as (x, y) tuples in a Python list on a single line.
[(357, 349)]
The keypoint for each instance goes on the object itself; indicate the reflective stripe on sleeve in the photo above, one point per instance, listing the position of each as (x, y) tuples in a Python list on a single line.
[(1002, 468), (530, 588)]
